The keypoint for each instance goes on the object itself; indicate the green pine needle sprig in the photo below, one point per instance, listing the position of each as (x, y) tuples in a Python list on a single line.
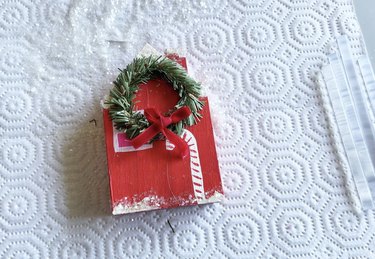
[(141, 70)]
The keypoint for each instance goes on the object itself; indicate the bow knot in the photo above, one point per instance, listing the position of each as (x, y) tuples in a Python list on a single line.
[(159, 124)]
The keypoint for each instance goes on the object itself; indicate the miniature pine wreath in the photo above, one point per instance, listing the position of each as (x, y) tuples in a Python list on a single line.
[(141, 70)]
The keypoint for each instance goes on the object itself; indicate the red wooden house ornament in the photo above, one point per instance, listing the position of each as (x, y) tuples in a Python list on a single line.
[(154, 176)]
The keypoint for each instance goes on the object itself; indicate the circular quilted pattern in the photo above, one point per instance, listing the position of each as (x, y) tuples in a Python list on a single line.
[(238, 186), (286, 189), (132, 247), (258, 35), (16, 15), (188, 240), (306, 70), (16, 247), (268, 79), (296, 228), (305, 31), (276, 127), (20, 154), (285, 178), (78, 244), (21, 202), (14, 66), (242, 234), (66, 100), (134, 241), (347, 227), (330, 171), (213, 41)]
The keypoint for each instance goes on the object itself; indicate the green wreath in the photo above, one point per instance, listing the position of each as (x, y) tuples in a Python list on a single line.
[(141, 70)]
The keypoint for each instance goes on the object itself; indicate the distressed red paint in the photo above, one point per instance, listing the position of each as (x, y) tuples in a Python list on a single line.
[(157, 172)]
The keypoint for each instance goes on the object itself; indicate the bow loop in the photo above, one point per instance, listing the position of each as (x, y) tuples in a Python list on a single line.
[(152, 115), (159, 123)]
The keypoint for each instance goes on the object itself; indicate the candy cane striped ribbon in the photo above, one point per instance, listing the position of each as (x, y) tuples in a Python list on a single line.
[(195, 165)]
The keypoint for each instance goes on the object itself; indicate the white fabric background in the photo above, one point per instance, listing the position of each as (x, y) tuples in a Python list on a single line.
[(285, 186)]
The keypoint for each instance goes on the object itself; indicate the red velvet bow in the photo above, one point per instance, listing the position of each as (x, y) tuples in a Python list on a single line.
[(159, 123)]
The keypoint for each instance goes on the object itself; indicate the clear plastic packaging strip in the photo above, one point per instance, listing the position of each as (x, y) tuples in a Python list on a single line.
[(361, 110), (346, 137), (358, 97), (368, 79)]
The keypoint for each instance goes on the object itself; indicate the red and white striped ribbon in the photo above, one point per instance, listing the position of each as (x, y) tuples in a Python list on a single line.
[(195, 165)]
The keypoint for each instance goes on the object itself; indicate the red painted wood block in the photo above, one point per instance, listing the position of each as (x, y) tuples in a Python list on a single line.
[(154, 176)]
